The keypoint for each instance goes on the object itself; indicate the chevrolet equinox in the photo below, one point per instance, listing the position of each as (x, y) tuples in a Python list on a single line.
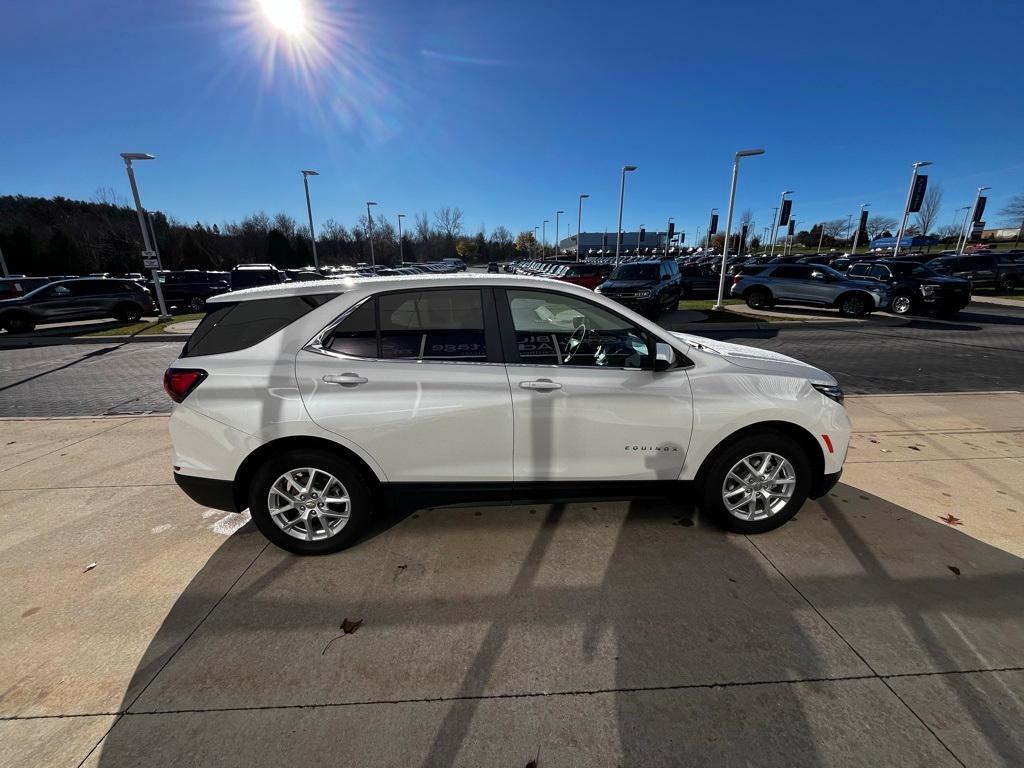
[(311, 403)]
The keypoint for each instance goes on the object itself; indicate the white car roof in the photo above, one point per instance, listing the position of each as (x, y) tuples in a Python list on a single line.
[(390, 283)]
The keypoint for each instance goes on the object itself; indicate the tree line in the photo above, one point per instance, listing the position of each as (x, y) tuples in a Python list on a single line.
[(59, 236)]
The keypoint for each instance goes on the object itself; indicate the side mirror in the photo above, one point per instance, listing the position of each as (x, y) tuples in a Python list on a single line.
[(664, 357)]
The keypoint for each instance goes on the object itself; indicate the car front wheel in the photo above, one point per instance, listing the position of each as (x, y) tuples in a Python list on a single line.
[(757, 483), (128, 312), (309, 502), (854, 305), (902, 304)]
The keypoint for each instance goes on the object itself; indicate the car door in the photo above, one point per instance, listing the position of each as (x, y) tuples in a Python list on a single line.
[(61, 301), (414, 379), (793, 281), (587, 404), (981, 270)]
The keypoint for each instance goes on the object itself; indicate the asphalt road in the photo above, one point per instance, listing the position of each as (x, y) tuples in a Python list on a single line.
[(983, 350)]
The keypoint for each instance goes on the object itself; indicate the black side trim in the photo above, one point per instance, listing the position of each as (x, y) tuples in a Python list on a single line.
[(447, 494), (824, 484), (216, 494)]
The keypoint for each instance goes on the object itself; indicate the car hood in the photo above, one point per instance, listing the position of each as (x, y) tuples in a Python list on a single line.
[(629, 285), (762, 360)]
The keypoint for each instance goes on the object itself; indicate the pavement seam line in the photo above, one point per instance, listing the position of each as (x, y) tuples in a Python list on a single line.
[(525, 695), (173, 655), (857, 653), (120, 423)]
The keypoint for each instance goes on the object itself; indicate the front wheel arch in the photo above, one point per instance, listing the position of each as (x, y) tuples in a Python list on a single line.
[(869, 301), (808, 442)]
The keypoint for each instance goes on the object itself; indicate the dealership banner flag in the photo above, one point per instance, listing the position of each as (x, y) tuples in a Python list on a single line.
[(787, 207), (917, 196), (863, 228), (714, 224), (792, 226), (979, 209)]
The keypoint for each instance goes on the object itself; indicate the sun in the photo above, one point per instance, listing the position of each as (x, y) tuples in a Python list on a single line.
[(287, 15)]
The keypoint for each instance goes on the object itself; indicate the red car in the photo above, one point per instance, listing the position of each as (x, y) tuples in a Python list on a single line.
[(586, 275), (13, 287)]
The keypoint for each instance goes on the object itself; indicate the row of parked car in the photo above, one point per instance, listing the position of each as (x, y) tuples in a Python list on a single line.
[(26, 302)]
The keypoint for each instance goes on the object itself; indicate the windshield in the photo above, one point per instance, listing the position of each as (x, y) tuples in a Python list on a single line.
[(916, 270), (635, 272)]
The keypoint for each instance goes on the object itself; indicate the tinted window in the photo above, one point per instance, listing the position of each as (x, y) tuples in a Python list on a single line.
[(792, 271), (432, 325), (249, 278), (858, 270), (357, 333), (882, 273), (240, 324), (978, 262), (553, 329), (635, 272)]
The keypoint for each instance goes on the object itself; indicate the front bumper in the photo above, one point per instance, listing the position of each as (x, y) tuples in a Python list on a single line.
[(823, 484), (215, 494)]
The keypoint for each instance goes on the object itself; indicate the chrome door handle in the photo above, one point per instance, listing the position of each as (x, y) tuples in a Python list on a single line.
[(542, 385), (345, 379)]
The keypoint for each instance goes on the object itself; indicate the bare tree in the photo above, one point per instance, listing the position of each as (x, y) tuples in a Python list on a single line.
[(1013, 211), (448, 220), (930, 206), (109, 196), (501, 237), (879, 224), (423, 229), (834, 227)]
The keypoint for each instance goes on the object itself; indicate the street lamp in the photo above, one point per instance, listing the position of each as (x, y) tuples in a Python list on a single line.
[(128, 157), (309, 210), (856, 235), (536, 230), (401, 246), (778, 218), (369, 227), (557, 231), (728, 217), (579, 224), (544, 239), (622, 193), (969, 220), (906, 207)]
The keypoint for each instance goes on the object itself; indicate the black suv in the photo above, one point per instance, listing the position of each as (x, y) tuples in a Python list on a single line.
[(983, 270), (916, 288), (253, 275), (189, 289), (648, 287), (83, 299)]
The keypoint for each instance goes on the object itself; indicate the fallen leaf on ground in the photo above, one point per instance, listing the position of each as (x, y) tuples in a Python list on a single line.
[(348, 627), (89, 567), (913, 448), (950, 520), (954, 569)]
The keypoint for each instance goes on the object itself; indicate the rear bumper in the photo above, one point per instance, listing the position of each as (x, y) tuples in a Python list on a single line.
[(215, 494), (824, 484)]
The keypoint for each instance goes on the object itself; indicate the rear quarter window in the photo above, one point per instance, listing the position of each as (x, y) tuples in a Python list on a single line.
[(237, 325)]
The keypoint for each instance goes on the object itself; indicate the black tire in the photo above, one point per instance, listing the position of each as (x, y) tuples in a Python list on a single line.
[(128, 312), (1007, 284), (713, 477), (196, 304), (902, 304), (758, 298), (854, 304), (360, 500), (18, 322)]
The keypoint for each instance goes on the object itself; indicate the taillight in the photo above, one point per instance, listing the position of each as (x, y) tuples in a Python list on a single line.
[(736, 279), (179, 382)]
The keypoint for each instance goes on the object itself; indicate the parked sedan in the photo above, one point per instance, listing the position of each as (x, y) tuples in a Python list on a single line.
[(808, 285), (82, 299), (916, 288)]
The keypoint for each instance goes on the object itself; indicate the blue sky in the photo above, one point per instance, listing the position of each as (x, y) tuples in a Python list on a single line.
[(511, 109)]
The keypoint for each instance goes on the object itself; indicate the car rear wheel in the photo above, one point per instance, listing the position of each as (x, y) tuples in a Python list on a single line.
[(759, 298), (1007, 284), (128, 312), (18, 323), (756, 483), (196, 304), (902, 304), (854, 305), (309, 502)]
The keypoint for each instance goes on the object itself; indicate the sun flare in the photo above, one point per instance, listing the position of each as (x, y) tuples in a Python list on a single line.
[(286, 15)]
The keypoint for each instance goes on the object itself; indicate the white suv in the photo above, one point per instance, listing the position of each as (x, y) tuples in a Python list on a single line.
[(310, 404)]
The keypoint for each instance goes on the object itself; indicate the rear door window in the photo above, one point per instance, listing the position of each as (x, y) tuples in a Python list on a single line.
[(238, 325), (432, 325), (793, 272)]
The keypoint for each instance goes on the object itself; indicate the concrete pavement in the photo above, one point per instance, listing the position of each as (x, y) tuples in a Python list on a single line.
[(865, 632)]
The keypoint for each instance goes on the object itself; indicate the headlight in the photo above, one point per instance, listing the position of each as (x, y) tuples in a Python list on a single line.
[(643, 294), (832, 392), (929, 290)]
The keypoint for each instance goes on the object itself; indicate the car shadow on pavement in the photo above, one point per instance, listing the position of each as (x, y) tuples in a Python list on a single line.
[(630, 634)]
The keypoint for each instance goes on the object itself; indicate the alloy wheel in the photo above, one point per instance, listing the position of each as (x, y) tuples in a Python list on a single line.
[(758, 486), (901, 305), (309, 504)]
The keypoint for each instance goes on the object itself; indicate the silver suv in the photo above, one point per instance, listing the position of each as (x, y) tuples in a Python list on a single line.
[(810, 285)]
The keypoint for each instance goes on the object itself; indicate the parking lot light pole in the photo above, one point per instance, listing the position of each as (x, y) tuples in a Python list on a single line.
[(821, 235), (309, 212), (3, 264), (544, 239), (557, 215), (128, 157), (622, 194), (728, 218), (579, 224), (856, 235), (536, 231), (401, 245), (778, 218), (906, 207), (969, 219), (369, 229)]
